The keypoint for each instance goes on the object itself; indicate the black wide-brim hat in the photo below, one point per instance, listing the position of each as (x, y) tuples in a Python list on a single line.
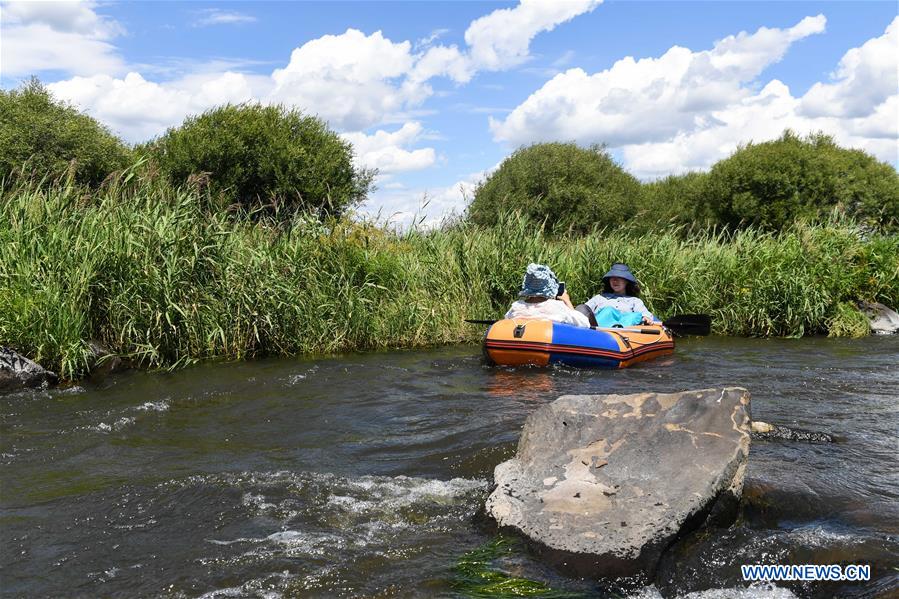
[(619, 269)]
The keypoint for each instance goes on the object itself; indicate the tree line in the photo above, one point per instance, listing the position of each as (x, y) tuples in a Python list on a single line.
[(276, 160)]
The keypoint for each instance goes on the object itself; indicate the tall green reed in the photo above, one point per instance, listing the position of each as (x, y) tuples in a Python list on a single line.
[(149, 271)]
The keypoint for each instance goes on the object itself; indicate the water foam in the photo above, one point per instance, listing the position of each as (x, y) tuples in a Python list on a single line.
[(154, 406), (116, 426), (753, 591)]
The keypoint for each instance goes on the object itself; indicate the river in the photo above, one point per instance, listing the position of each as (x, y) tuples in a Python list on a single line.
[(365, 474)]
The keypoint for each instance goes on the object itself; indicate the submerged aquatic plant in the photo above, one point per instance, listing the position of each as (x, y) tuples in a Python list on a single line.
[(476, 575)]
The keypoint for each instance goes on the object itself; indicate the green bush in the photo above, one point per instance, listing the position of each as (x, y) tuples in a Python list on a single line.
[(772, 185), (40, 136), (567, 187), (674, 199), (265, 156)]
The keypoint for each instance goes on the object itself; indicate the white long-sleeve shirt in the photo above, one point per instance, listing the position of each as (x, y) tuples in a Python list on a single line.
[(622, 303), (551, 309)]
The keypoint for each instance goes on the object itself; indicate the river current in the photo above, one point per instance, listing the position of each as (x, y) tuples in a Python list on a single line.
[(366, 474)]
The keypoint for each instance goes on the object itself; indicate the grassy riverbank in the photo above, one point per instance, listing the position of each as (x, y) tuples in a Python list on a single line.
[(147, 271)]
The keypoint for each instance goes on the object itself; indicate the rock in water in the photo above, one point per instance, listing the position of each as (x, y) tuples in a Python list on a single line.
[(17, 372), (884, 321), (603, 484)]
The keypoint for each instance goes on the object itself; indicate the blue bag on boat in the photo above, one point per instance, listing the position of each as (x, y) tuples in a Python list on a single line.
[(610, 317)]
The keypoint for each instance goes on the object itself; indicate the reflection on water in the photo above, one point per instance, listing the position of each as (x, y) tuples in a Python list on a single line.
[(509, 382), (365, 475)]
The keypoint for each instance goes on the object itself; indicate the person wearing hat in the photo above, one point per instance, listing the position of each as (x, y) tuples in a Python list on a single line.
[(621, 291), (539, 299)]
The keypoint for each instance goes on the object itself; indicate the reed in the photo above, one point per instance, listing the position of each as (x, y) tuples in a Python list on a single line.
[(149, 271)]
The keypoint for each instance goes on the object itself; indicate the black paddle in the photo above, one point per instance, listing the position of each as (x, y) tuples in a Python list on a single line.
[(689, 324), (681, 325)]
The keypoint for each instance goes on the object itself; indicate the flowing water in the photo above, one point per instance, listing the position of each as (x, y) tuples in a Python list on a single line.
[(365, 474)]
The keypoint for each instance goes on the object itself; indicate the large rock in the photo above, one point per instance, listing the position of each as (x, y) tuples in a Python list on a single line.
[(603, 484), (884, 321), (18, 372), (101, 361)]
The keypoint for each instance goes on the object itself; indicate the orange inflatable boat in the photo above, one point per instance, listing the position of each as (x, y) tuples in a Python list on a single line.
[(516, 342)]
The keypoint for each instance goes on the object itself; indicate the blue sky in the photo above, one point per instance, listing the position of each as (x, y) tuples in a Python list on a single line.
[(436, 94)]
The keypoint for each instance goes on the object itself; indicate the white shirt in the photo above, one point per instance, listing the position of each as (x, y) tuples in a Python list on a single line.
[(551, 309), (622, 303)]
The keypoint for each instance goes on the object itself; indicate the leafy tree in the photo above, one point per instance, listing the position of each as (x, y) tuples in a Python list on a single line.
[(568, 187), (674, 199), (773, 184), (40, 136), (265, 156)]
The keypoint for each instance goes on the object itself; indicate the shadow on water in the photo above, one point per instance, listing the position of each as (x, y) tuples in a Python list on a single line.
[(364, 475)]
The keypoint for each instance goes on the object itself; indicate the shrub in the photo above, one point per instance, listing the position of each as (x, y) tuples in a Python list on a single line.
[(568, 187), (773, 184), (40, 135), (265, 156), (674, 199)]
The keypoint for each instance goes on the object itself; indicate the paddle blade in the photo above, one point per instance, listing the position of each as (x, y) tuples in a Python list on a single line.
[(689, 324)]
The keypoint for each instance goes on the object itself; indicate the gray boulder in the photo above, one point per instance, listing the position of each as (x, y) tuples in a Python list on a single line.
[(18, 372), (603, 484), (101, 361), (884, 321)]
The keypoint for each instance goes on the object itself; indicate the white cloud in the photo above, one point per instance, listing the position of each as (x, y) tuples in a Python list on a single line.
[(651, 99), (387, 151), (139, 109), (426, 42), (865, 78), (501, 39), (64, 17), (353, 80), (216, 16), (356, 81), (685, 110), (425, 207), (66, 36), (871, 125)]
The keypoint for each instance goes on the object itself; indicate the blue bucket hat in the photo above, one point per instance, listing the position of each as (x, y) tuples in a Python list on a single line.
[(539, 281), (620, 269)]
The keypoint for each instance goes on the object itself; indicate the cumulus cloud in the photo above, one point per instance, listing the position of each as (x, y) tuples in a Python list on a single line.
[(139, 109), (388, 151), (865, 78), (869, 121), (66, 36), (637, 101), (685, 110), (353, 80), (501, 39), (356, 80)]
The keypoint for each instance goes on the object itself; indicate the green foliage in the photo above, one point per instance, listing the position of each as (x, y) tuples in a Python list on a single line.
[(265, 156), (772, 185), (848, 321), (674, 200), (145, 269), (40, 136), (567, 187)]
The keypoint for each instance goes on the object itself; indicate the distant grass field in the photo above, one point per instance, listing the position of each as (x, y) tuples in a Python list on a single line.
[(146, 270)]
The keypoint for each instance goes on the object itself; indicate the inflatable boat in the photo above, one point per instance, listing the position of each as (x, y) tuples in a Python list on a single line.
[(517, 342)]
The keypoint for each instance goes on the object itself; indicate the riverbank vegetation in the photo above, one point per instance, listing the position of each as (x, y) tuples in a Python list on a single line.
[(233, 236), (147, 270), (767, 186)]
